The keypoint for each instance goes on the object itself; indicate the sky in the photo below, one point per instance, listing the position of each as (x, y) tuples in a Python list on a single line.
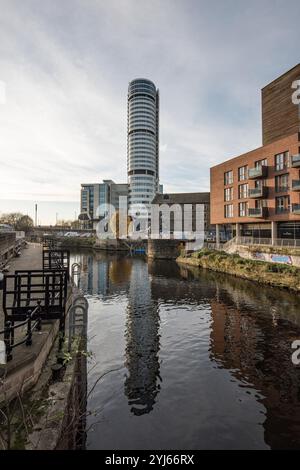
[(64, 72)]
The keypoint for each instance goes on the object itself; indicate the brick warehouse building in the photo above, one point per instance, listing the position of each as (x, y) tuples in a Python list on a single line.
[(257, 194)]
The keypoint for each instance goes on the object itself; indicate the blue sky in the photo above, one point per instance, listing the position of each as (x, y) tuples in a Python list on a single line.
[(64, 71)]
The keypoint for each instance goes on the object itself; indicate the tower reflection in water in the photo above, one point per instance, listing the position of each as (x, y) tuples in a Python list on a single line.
[(142, 343), (105, 274)]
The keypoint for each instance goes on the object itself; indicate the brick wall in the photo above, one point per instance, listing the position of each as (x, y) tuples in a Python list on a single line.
[(290, 144)]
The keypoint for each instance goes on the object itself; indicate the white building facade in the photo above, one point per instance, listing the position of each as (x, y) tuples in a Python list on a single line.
[(142, 144)]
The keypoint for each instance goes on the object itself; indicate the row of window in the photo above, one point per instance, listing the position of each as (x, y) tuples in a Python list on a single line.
[(136, 149), (142, 185), (138, 124), (138, 114), (142, 101), (136, 108), (142, 107), (142, 95), (281, 185), (141, 178), (143, 126), (134, 141), (141, 190), (142, 85), (281, 162), (141, 136), (282, 205), (142, 159), (143, 163)]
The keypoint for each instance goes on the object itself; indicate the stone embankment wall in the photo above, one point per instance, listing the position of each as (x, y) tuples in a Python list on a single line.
[(61, 425), (284, 255), (274, 274), (164, 249), (7, 245)]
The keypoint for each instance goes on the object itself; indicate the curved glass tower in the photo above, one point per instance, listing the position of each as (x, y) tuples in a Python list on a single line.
[(142, 143)]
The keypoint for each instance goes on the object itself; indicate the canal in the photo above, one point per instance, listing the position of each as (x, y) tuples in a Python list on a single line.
[(188, 359)]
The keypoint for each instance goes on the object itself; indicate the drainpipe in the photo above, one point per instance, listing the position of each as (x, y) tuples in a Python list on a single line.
[(274, 232), (237, 232), (217, 236)]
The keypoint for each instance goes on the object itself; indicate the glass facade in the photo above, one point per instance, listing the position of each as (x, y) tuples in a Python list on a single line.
[(142, 142)]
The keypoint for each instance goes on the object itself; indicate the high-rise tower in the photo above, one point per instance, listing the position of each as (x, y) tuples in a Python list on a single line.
[(142, 142)]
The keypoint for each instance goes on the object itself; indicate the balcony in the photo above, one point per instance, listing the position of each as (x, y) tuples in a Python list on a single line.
[(258, 212), (296, 209), (282, 210), (295, 160), (258, 192), (260, 172), (296, 185)]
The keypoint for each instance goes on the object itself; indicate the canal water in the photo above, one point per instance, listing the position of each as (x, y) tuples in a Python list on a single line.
[(183, 358)]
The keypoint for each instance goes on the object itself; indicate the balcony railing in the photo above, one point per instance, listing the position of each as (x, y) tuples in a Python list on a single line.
[(260, 172), (295, 160), (282, 210), (259, 212), (258, 192), (296, 209), (291, 242), (281, 189), (296, 185)]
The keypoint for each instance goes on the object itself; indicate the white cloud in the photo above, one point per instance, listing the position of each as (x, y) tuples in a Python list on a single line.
[(66, 66)]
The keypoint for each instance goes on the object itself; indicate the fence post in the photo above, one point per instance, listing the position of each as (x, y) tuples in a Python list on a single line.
[(39, 320), (7, 333), (29, 331)]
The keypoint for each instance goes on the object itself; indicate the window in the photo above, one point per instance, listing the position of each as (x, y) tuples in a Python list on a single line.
[(228, 194), (243, 173), (282, 183), (243, 209), (228, 210), (282, 204), (261, 163), (243, 191), (228, 177), (281, 161), (259, 203), (260, 183)]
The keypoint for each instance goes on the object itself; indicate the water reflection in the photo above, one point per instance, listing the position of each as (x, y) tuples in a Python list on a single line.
[(253, 339), (104, 274), (205, 358), (142, 343)]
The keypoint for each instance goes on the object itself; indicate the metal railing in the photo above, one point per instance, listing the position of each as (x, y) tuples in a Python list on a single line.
[(296, 208), (75, 274), (258, 172), (295, 160), (296, 185), (257, 212), (30, 297), (258, 192), (56, 259), (49, 243), (32, 323), (279, 242)]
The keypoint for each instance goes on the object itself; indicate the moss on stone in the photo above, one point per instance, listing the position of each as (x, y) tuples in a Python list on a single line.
[(274, 274)]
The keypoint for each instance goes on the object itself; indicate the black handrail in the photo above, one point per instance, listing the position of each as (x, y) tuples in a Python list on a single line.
[(10, 328), (47, 288)]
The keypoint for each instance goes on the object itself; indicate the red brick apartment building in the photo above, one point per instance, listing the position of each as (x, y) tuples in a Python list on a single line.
[(258, 193)]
